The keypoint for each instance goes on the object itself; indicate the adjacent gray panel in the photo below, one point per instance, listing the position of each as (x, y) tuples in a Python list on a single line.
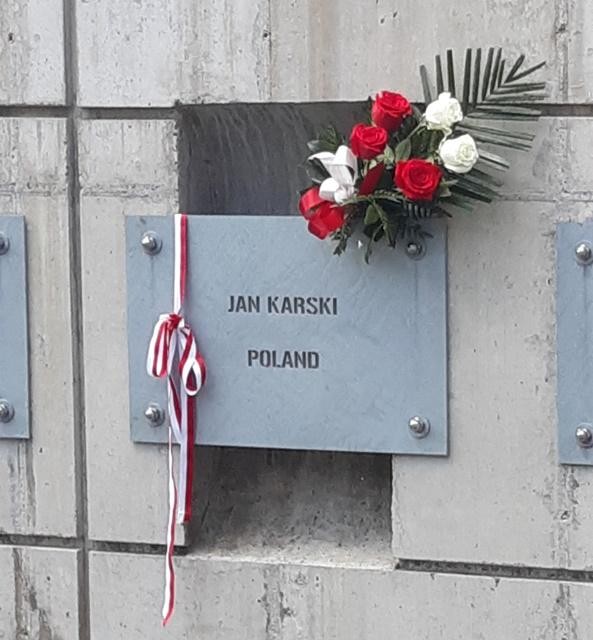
[(574, 309), (382, 358), (14, 368)]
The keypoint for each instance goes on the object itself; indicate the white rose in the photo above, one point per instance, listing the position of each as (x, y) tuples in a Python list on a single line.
[(459, 154), (443, 113)]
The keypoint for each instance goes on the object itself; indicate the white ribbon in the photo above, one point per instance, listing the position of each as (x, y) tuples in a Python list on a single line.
[(343, 169)]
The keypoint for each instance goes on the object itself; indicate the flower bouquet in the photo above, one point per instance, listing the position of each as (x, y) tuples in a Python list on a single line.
[(405, 165)]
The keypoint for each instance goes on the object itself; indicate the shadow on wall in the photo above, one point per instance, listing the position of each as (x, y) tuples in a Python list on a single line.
[(305, 505), (244, 159)]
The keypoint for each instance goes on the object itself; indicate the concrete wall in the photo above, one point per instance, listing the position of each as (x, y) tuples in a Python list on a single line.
[(493, 542)]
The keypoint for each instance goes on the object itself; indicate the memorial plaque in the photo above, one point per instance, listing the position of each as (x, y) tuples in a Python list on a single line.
[(14, 360), (574, 337), (305, 350)]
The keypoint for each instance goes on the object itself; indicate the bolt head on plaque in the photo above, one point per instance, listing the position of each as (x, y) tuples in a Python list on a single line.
[(151, 243), (584, 253), (154, 414), (419, 427), (415, 250), (6, 411), (584, 436), (4, 243)]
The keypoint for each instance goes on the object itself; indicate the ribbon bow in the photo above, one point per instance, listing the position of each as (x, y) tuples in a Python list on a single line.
[(173, 353), (342, 168)]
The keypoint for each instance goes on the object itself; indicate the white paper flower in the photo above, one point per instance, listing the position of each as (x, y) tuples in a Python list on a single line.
[(459, 154), (443, 113)]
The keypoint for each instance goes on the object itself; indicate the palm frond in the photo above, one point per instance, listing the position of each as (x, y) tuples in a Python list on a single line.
[(484, 84)]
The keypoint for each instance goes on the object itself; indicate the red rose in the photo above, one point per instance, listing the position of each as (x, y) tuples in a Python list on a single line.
[(389, 109), (327, 218), (417, 179), (324, 217), (367, 142)]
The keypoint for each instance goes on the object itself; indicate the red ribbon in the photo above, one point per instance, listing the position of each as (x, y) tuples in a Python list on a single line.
[(173, 353)]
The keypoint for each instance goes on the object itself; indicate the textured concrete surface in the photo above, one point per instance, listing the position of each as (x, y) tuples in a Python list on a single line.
[(300, 602), (39, 475), (31, 52), (126, 167), (298, 506), (577, 16), (205, 53), (38, 594), (287, 50), (345, 54)]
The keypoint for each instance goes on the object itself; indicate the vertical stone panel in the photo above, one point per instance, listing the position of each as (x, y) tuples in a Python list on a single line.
[(31, 52), (126, 167), (39, 474), (160, 53), (345, 51), (38, 594)]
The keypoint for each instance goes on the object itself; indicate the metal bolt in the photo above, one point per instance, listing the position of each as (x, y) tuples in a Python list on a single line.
[(584, 436), (415, 250), (151, 243), (6, 411), (154, 414), (584, 253), (419, 426), (4, 243)]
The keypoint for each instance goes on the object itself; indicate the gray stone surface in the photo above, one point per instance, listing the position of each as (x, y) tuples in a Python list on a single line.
[(31, 52), (222, 599), (38, 475), (205, 52), (38, 594), (290, 51), (345, 54), (577, 16), (131, 169)]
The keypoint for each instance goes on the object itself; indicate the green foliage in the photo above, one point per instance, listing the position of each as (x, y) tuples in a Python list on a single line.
[(329, 139)]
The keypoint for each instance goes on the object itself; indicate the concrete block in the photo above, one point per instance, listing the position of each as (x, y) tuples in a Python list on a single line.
[(578, 41), (295, 505), (39, 475), (577, 176), (38, 593), (501, 496), (299, 602), (128, 157), (32, 52), (154, 53), (127, 483), (329, 51)]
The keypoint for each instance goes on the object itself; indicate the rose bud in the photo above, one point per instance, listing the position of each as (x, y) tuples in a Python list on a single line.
[(389, 110)]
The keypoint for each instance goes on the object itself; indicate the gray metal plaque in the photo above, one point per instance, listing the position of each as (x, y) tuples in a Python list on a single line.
[(14, 368), (574, 336), (305, 350)]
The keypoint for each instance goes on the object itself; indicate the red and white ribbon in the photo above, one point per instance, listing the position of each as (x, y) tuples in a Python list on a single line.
[(173, 353)]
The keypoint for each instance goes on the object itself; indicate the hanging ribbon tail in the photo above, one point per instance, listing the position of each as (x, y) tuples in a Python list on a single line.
[(173, 353), (342, 167)]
